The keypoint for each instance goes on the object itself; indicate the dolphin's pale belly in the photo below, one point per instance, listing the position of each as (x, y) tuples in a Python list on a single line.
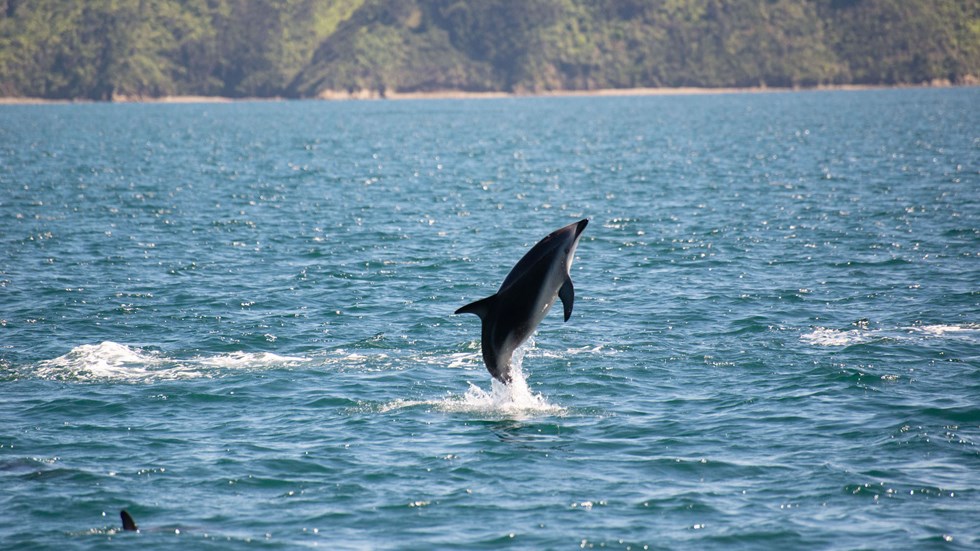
[(549, 293), (531, 312)]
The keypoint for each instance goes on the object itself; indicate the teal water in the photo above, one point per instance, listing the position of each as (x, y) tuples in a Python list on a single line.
[(235, 321)]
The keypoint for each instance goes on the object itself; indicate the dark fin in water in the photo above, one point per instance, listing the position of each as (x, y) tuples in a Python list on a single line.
[(480, 307), (567, 296), (128, 523)]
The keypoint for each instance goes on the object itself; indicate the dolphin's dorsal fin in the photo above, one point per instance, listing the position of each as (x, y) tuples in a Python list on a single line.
[(480, 307), (567, 296), (127, 521)]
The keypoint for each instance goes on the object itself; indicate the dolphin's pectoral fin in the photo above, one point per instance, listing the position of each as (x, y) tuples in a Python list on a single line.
[(567, 296), (127, 521), (480, 307)]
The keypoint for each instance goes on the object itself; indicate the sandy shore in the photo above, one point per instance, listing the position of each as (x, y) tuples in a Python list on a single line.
[(607, 92), (162, 99), (330, 95)]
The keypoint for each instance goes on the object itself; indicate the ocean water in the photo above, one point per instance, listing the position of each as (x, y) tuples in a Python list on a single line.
[(235, 321)]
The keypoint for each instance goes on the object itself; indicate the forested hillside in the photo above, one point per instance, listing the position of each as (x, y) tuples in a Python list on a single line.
[(105, 49)]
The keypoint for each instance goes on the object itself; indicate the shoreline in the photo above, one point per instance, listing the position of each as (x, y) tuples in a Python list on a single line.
[(370, 95), (618, 92)]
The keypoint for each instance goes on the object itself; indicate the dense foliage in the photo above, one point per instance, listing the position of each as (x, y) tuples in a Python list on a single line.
[(104, 49)]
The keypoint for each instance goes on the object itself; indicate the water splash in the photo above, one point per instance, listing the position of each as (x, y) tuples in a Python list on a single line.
[(511, 400)]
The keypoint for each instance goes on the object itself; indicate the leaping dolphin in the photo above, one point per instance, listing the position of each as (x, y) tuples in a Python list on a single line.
[(511, 314)]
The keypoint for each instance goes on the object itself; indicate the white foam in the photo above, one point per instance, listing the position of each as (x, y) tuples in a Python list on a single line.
[(107, 360), (511, 400), (943, 330), (597, 349), (461, 360), (515, 399), (342, 360), (238, 360), (111, 361), (823, 336)]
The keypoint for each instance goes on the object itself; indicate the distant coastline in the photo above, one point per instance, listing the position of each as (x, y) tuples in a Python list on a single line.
[(358, 49), (614, 92), (373, 95)]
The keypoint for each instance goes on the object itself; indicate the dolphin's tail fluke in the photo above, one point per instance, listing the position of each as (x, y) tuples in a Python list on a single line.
[(127, 521)]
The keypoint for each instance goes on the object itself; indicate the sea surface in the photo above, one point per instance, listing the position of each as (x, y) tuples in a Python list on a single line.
[(235, 321)]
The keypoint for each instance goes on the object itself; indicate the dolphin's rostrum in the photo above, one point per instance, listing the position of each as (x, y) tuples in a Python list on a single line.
[(511, 314)]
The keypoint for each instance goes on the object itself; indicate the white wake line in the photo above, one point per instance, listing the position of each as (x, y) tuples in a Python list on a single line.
[(113, 361), (823, 336), (249, 359)]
